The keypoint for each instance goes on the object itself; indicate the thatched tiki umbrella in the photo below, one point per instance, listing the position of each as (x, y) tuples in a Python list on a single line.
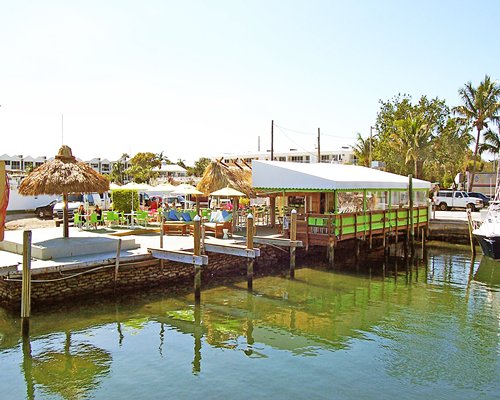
[(63, 175), (218, 175)]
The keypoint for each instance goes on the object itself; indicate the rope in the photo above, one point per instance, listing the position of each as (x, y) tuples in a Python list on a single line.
[(61, 279)]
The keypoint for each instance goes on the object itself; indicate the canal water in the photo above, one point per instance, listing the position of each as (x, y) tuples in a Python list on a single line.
[(382, 330)]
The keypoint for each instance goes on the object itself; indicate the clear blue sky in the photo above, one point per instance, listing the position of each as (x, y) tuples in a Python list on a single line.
[(203, 78)]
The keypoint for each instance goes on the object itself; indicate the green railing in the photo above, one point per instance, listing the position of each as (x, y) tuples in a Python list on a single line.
[(368, 222)]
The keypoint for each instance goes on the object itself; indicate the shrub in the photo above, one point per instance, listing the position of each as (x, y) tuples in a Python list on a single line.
[(122, 200)]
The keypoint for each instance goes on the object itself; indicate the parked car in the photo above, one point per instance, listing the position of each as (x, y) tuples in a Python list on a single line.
[(482, 196), (448, 199), (46, 211)]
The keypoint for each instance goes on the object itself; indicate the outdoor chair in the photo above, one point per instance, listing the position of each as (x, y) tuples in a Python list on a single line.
[(142, 216), (94, 220), (77, 220), (114, 218)]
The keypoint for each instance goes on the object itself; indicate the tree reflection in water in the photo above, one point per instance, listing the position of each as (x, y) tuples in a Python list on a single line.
[(72, 373)]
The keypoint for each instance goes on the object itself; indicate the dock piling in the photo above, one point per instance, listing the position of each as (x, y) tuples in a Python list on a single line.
[(293, 238), (26, 284), (117, 261), (197, 252), (250, 229)]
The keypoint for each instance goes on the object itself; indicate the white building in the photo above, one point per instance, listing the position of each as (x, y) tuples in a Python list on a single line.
[(343, 156), (173, 171), (19, 163), (103, 166)]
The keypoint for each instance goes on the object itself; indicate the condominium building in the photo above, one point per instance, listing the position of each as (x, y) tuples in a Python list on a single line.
[(343, 156)]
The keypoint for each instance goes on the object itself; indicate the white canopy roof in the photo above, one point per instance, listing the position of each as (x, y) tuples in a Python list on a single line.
[(320, 176)]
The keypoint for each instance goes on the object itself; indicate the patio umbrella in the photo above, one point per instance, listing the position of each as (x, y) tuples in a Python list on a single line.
[(186, 189), (63, 175), (227, 192), (234, 194), (218, 175)]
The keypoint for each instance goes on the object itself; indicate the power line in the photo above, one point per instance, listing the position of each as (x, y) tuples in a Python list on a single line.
[(312, 133)]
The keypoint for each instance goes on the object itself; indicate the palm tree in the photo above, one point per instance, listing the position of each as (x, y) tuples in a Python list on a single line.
[(480, 107), (362, 150), (414, 138), (491, 143)]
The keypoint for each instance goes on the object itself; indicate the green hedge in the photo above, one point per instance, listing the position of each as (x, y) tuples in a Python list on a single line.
[(122, 200)]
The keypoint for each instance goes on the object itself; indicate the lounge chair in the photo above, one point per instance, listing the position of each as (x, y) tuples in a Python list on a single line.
[(219, 221), (176, 221)]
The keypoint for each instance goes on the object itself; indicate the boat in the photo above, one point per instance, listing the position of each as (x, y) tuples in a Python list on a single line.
[(488, 233)]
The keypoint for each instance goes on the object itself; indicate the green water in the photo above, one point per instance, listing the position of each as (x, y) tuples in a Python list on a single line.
[(428, 332)]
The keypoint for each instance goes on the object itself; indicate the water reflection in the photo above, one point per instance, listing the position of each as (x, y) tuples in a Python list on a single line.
[(418, 322), (488, 273), (72, 372)]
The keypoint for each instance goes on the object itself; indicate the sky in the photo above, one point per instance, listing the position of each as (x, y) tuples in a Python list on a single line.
[(204, 78)]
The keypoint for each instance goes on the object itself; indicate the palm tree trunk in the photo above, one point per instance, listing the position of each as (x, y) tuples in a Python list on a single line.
[(471, 180)]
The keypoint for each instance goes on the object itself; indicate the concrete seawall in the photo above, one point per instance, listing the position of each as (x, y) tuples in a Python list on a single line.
[(95, 279)]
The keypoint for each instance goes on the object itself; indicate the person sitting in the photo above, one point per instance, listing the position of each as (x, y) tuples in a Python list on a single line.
[(153, 205), (81, 212), (98, 211)]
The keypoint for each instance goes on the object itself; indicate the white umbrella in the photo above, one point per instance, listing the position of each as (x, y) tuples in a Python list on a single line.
[(162, 188), (188, 190), (114, 186), (227, 192), (137, 186), (230, 192)]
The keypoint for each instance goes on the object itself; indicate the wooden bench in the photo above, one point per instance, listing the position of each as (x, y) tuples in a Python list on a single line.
[(176, 226), (218, 228)]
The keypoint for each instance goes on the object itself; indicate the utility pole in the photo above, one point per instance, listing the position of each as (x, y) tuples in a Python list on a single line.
[(272, 140), (370, 158), (319, 151)]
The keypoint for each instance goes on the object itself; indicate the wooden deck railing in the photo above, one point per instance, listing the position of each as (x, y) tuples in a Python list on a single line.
[(322, 229)]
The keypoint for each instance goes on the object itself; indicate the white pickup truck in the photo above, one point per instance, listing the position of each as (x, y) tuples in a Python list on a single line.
[(448, 199)]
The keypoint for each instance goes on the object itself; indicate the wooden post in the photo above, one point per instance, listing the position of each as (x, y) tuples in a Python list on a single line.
[(161, 231), (117, 261), (371, 225), (293, 237), (250, 228), (331, 251), (197, 252), (65, 216), (272, 211), (26, 284), (412, 228), (471, 237)]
